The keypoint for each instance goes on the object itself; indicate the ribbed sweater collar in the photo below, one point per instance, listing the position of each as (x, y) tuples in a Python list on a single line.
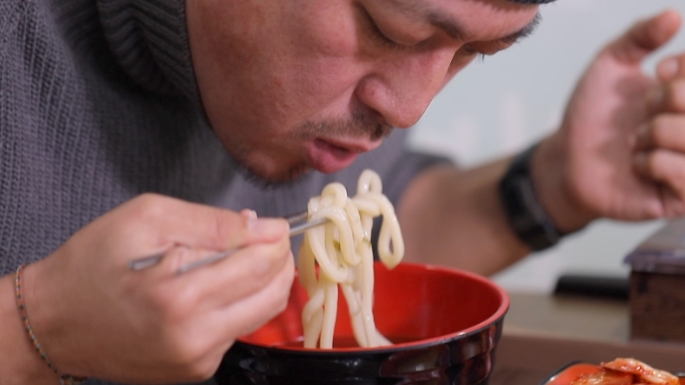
[(149, 40)]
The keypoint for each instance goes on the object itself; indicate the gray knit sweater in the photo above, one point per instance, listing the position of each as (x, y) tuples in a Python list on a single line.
[(98, 103)]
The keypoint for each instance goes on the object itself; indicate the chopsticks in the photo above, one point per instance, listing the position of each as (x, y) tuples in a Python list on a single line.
[(151, 260)]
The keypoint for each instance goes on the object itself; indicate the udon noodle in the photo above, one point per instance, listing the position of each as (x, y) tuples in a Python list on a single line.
[(343, 252)]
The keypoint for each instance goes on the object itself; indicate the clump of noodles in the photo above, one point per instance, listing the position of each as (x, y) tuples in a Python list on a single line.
[(342, 250)]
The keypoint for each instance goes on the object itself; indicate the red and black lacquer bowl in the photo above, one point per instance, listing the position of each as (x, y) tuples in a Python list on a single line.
[(445, 324)]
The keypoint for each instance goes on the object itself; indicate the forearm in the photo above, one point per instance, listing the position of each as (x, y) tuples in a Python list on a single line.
[(455, 218), (20, 362)]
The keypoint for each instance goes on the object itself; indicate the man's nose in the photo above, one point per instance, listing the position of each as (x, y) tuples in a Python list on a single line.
[(401, 88)]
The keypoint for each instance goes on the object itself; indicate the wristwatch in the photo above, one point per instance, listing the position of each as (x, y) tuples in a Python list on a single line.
[(523, 210)]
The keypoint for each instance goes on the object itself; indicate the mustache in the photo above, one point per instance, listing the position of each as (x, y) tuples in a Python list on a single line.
[(362, 124)]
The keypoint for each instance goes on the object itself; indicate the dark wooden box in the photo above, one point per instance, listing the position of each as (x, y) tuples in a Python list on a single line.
[(657, 285)]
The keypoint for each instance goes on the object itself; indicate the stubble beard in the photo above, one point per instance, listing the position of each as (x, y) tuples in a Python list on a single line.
[(363, 124)]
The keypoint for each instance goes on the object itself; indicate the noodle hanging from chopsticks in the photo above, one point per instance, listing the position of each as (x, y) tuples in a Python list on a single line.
[(342, 250)]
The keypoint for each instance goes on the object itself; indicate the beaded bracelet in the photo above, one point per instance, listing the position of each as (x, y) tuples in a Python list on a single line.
[(64, 379)]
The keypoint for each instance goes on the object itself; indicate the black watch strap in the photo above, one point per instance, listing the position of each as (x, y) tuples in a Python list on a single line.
[(522, 208)]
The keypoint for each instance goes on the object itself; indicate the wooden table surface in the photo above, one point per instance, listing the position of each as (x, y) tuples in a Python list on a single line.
[(567, 316)]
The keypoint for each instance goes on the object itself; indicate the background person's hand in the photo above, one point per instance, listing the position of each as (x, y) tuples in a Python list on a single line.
[(620, 152), (95, 317)]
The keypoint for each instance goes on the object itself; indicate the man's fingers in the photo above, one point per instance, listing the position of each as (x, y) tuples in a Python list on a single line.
[(249, 214), (245, 316), (671, 68), (669, 97), (200, 226), (173, 298), (645, 37), (247, 271), (666, 131), (674, 205), (665, 167)]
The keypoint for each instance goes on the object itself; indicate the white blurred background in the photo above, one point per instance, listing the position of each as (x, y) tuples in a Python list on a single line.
[(507, 101)]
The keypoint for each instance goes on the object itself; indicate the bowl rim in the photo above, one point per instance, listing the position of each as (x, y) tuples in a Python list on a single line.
[(493, 319)]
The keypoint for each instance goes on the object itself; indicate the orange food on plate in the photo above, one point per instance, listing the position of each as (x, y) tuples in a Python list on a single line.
[(626, 371), (605, 377), (644, 373)]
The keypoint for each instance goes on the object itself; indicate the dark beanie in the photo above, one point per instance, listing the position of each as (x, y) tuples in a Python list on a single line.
[(532, 1)]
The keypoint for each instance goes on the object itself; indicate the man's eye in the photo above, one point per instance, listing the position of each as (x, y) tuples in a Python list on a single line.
[(469, 50), (381, 38), (376, 33)]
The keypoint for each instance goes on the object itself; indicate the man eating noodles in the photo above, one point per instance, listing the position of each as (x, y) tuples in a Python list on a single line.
[(131, 128)]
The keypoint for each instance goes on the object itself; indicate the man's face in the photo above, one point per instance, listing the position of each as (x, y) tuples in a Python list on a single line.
[(293, 85)]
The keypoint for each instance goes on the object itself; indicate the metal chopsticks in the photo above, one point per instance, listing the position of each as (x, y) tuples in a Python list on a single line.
[(151, 260)]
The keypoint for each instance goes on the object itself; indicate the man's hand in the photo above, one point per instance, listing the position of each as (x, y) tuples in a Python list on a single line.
[(660, 144), (620, 152), (95, 317)]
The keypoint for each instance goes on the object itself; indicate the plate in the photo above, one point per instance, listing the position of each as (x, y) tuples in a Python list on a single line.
[(566, 374)]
